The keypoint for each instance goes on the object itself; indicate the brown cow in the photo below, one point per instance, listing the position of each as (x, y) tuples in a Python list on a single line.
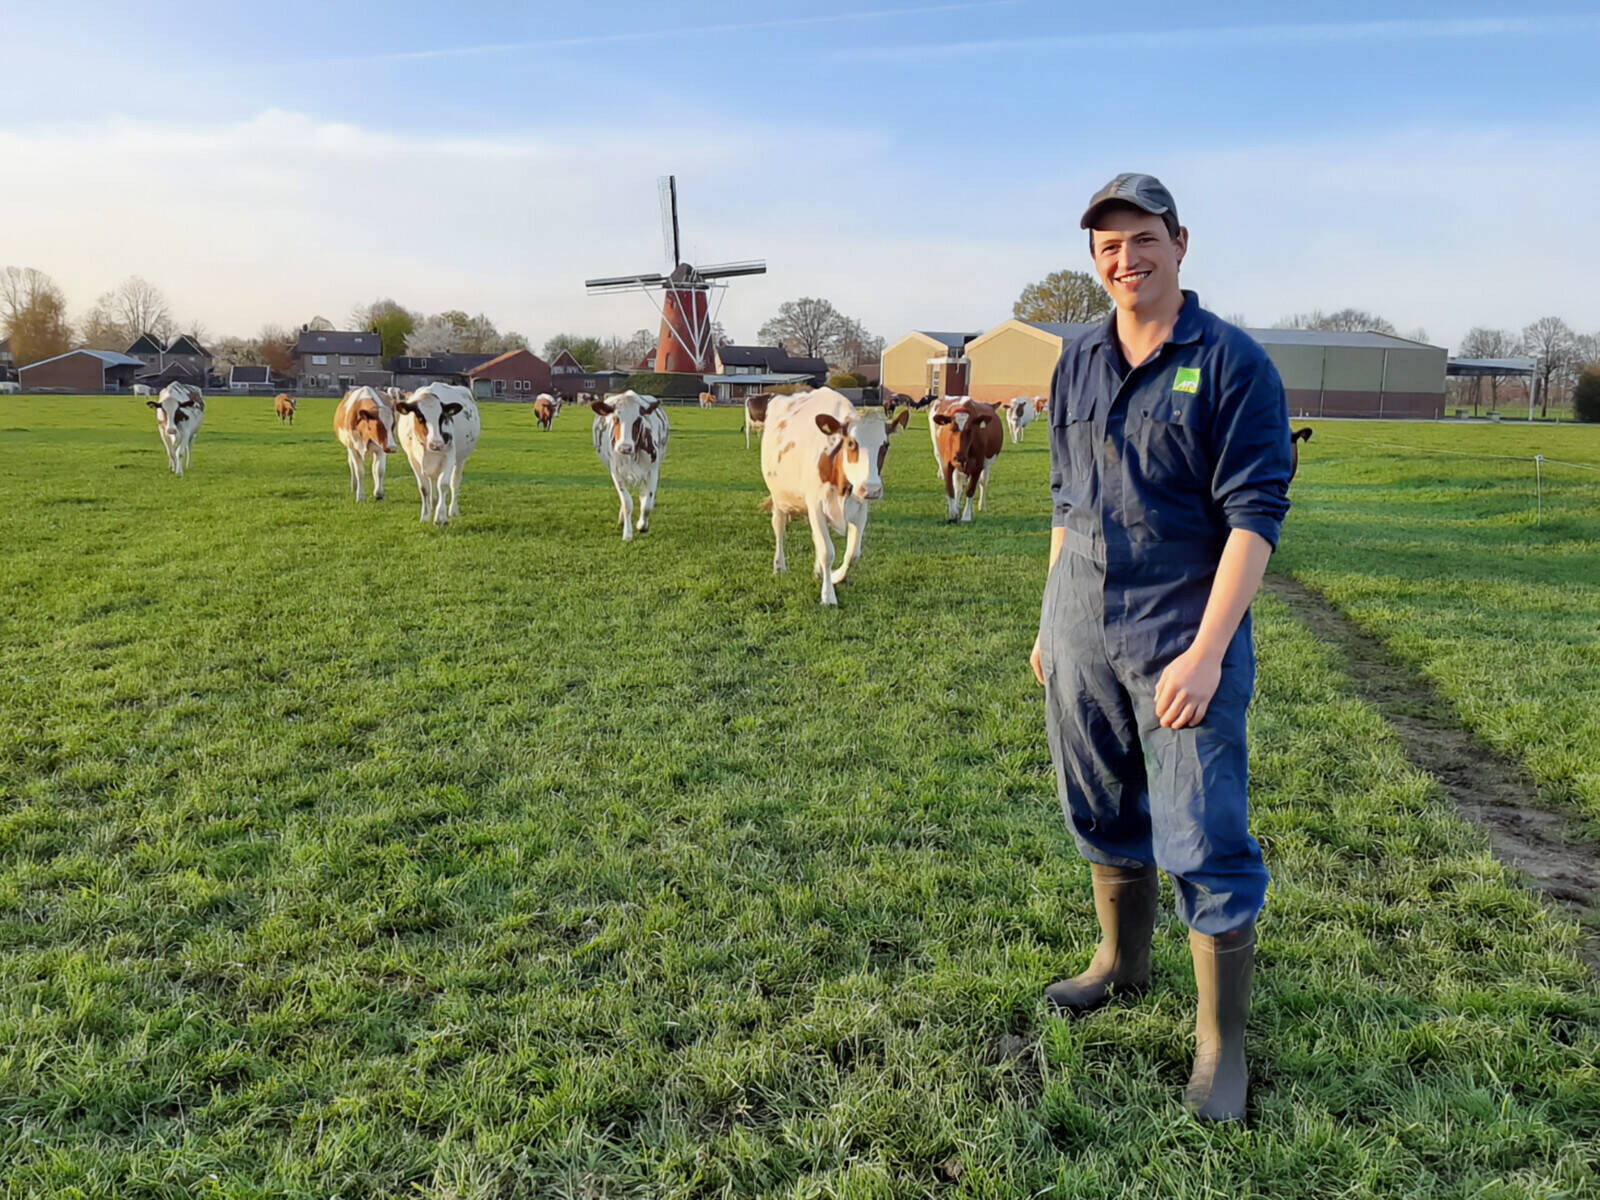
[(1299, 435), (967, 439), (544, 409), (755, 414), (364, 425), (707, 399), (284, 404)]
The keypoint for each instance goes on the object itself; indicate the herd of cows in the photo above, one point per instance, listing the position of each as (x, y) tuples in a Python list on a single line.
[(821, 456)]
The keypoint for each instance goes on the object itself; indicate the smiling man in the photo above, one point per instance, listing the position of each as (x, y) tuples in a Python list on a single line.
[(1170, 464)]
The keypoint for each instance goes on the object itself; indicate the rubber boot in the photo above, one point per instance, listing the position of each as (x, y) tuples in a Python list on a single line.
[(1224, 967), (1125, 901)]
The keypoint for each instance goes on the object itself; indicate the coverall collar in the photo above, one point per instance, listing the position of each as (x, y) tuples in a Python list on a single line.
[(1188, 329)]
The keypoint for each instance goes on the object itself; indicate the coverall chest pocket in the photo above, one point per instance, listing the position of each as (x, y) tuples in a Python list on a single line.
[(1169, 435), (1072, 431)]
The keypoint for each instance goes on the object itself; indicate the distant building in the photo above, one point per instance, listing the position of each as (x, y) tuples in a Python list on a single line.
[(769, 360), (247, 379), (332, 360), (590, 383), (82, 371), (565, 364), (514, 375), (927, 360), (8, 361), (412, 371), (1016, 358)]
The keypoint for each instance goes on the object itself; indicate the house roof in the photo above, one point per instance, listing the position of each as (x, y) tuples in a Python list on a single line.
[(109, 358), (504, 358), (1063, 329), (565, 359), (186, 344), (765, 379), (1334, 337), (173, 372), (146, 343), (772, 358), (338, 341), (436, 364), (954, 340), (250, 375)]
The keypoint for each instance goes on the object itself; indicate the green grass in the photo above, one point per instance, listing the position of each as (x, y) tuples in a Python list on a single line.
[(343, 855), (1431, 536)]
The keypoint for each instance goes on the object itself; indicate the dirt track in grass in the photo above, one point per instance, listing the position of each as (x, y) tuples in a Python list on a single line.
[(1496, 794)]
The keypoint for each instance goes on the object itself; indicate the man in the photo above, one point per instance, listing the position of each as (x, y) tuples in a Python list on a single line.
[(1169, 444)]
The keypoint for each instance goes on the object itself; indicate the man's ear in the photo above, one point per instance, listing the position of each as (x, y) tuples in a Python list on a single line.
[(1182, 241)]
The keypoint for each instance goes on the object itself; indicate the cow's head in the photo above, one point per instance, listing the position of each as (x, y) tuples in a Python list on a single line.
[(963, 422), (859, 446), (432, 415), (624, 414), (175, 406)]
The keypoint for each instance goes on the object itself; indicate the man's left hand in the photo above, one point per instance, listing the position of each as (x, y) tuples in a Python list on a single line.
[(1184, 691)]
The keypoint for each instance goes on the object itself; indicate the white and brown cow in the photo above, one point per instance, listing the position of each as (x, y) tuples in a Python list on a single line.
[(630, 436), (966, 441), (283, 405), (755, 414), (824, 460), (179, 411), (545, 409), (364, 425), (708, 399), (439, 428), (143, 389), (1021, 412)]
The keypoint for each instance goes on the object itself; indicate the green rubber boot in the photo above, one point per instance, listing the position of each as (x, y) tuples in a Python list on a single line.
[(1224, 968), (1125, 901)]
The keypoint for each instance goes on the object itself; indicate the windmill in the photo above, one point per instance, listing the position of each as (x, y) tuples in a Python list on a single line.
[(683, 296)]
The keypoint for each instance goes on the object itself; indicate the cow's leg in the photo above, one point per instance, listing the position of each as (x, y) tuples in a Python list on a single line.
[(626, 515), (972, 486), (455, 488), (823, 542), (647, 501), (780, 522), (983, 488), (855, 517), (355, 473), (954, 481), (747, 429), (436, 485), (424, 491), (380, 468)]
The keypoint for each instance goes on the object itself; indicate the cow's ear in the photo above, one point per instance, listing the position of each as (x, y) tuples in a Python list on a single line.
[(601, 407), (983, 419), (152, 404), (404, 406), (901, 420), (941, 418), (650, 408), (829, 424), (449, 410)]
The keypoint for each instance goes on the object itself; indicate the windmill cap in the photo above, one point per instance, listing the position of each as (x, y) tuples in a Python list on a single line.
[(1144, 192)]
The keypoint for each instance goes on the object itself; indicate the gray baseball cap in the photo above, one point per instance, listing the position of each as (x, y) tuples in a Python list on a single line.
[(1144, 192)]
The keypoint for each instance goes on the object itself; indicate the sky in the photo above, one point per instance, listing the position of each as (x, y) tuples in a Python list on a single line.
[(915, 163)]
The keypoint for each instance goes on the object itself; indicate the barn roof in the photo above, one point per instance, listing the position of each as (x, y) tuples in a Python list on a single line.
[(337, 341), (146, 343), (186, 344), (240, 374), (502, 358), (110, 358), (954, 340), (1366, 339), (1067, 329)]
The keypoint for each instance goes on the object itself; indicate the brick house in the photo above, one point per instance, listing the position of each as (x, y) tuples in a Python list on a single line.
[(333, 360), (514, 375), (412, 371), (82, 371)]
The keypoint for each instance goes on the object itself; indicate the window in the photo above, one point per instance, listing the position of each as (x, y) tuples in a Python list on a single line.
[(320, 338), (319, 360), (524, 385), (344, 360), (499, 387)]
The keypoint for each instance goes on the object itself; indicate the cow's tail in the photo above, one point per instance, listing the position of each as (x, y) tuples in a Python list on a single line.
[(766, 505)]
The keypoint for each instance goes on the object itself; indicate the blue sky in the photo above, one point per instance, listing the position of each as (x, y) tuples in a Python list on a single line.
[(917, 163)]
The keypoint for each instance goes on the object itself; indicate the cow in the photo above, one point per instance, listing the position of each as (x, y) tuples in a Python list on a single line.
[(824, 460), (143, 389), (10, 387), (893, 402), (179, 411), (1299, 435), (1020, 413), (755, 414), (364, 425), (545, 409), (439, 428), (966, 441), (283, 404), (630, 436), (707, 399)]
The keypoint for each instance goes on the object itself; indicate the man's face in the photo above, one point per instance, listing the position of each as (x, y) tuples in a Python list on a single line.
[(1137, 259)]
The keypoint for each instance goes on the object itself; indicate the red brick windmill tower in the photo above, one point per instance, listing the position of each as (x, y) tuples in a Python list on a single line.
[(683, 296)]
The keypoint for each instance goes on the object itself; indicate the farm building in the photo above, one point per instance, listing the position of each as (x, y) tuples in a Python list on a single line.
[(514, 375), (1016, 358), (568, 384), (415, 370), (332, 360), (927, 361), (1326, 374), (769, 360), (8, 361), (82, 371)]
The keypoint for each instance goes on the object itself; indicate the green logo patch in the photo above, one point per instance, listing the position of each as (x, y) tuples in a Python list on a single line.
[(1188, 380)]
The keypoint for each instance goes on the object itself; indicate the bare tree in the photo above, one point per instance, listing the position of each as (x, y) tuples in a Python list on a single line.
[(856, 346), (1065, 297), (806, 327), (139, 307), (276, 345), (1550, 342), (432, 335), (1345, 320), (1483, 342)]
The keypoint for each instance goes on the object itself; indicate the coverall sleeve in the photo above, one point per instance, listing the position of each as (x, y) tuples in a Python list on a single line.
[(1059, 457), (1252, 452)]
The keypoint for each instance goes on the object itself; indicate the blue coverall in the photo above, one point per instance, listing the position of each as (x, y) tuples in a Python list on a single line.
[(1150, 470)]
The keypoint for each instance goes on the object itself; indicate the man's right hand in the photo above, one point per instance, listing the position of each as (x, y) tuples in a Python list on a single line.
[(1037, 662)]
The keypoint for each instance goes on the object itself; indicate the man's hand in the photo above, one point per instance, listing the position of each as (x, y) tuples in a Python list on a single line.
[(1184, 691), (1037, 663)]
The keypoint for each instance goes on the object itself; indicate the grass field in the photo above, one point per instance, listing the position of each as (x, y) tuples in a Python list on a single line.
[(342, 855)]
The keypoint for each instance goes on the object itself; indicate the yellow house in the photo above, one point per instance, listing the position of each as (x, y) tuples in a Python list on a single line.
[(1017, 358), (927, 360)]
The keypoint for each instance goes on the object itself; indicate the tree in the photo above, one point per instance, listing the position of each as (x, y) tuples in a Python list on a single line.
[(388, 319), (1346, 320), (229, 352), (319, 322), (99, 329), (431, 336), (1550, 342), (1067, 297), (1586, 396), (589, 351), (813, 328), (139, 307), (276, 345), (855, 345), (33, 313), (1483, 342)]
